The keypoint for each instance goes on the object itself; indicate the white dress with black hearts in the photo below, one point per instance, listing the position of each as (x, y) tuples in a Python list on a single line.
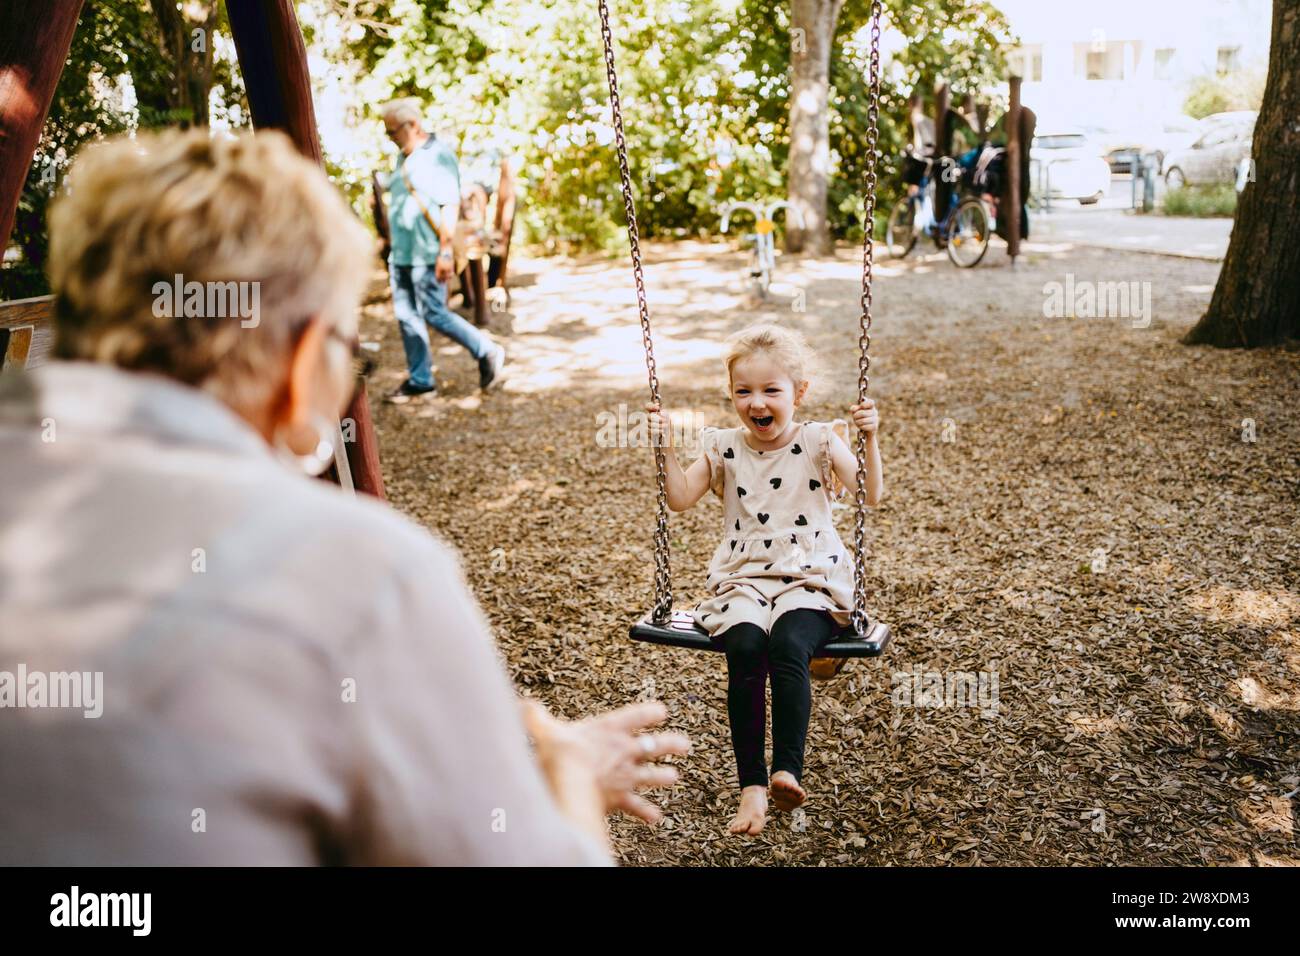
[(780, 550)]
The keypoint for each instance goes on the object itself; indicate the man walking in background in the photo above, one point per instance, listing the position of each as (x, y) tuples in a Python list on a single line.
[(425, 197)]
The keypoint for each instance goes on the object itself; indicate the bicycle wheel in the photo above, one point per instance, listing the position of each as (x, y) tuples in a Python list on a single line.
[(900, 235), (968, 239)]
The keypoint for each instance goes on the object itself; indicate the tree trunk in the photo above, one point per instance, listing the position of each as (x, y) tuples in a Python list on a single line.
[(192, 76), (812, 31), (1257, 299)]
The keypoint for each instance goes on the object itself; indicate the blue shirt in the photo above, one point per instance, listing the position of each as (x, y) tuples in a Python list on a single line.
[(436, 178)]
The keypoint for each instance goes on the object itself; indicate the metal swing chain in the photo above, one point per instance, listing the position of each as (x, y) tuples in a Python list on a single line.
[(662, 610), (663, 606), (859, 618)]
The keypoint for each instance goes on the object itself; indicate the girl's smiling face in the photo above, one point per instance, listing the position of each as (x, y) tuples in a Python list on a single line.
[(765, 397)]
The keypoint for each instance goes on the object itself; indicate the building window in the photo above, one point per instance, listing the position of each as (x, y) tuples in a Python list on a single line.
[(1229, 59), (1027, 63), (1164, 64), (1096, 65), (1107, 62)]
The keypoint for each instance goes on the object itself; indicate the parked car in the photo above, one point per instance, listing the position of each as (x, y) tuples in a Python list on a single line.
[(1233, 116), (1068, 163), (1159, 138), (1215, 155)]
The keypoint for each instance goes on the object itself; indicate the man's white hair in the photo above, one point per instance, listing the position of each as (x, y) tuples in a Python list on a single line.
[(402, 111)]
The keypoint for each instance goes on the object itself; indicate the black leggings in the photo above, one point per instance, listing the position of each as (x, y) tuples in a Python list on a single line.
[(786, 654)]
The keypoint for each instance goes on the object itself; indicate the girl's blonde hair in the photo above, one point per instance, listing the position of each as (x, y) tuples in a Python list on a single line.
[(785, 346)]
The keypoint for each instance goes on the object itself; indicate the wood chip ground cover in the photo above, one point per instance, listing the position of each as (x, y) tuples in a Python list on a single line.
[(1069, 505)]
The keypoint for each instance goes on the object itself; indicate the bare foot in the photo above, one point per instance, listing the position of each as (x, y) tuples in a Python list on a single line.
[(753, 811), (786, 792)]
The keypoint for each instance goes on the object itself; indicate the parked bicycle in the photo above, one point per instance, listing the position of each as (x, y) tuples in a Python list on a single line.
[(964, 227), (763, 261)]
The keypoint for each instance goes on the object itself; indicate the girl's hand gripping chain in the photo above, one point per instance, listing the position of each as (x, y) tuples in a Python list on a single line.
[(661, 426), (866, 417)]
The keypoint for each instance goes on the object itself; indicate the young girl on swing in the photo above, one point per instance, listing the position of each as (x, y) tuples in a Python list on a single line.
[(780, 581)]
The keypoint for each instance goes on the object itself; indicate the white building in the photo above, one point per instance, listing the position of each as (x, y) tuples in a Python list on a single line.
[(1123, 64)]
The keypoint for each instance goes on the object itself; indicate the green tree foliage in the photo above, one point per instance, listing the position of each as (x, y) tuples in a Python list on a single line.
[(1222, 94), (705, 87), (124, 72)]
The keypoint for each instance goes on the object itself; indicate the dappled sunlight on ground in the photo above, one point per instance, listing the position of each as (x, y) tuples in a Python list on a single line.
[(567, 330), (1247, 607), (1254, 694), (1068, 502), (1270, 814)]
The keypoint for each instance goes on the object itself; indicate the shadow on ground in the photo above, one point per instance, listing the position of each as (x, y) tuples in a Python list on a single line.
[(1070, 506)]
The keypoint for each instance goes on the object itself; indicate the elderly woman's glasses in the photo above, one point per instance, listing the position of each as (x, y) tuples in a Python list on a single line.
[(362, 363)]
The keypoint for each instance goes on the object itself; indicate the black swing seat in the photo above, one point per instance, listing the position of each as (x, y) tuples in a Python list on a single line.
[(682, 631)]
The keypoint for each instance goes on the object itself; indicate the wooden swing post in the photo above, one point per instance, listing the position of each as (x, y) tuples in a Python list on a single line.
[(942, 147), (273, 62), (504, 221), (1015, 147), (35, 39)]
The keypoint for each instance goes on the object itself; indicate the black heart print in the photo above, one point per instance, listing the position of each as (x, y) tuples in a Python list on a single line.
[(762, 518), (801, 520), (737, 524), (835, 559), (762, 603), (813, 484), (728, 454), (767, 543), (786, 580), (776, 482), (796, 449), (724, 608), (733, 545), (767, 567), (741, 492)]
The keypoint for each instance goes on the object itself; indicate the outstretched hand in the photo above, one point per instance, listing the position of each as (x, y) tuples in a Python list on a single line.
[(611, 747), (865, 417)]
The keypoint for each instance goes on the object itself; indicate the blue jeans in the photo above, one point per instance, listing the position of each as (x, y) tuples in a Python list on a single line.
[(419, 298)]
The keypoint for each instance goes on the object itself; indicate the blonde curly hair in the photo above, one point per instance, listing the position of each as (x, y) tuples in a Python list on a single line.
[(786, 347), (212, 209)]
